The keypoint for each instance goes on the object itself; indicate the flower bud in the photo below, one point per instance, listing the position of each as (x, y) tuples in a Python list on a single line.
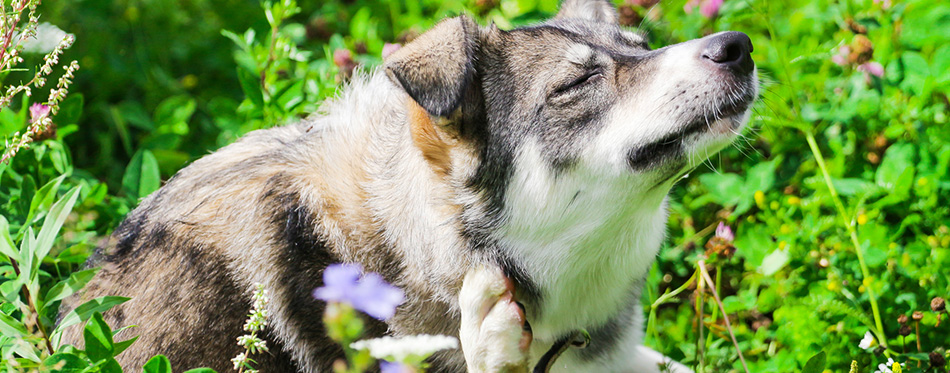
[(937, 359), (905, 330), (938, 305), (917, 316), (902, 319)]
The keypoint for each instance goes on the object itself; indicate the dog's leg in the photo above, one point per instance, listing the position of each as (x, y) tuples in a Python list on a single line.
[(493, 333)]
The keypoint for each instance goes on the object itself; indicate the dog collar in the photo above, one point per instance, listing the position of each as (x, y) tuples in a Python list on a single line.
[(578, 339)]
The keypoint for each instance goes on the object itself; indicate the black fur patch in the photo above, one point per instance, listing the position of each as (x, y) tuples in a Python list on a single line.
[(304, 256), (604, 338)]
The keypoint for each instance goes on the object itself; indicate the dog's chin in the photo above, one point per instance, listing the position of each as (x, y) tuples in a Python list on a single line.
[(698, 135), (669, 158)]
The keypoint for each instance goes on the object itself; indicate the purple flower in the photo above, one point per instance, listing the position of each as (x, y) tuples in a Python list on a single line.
[(390, 367), (368, 293), (389, 48), (710, 8), (38, 110), (724, 232)]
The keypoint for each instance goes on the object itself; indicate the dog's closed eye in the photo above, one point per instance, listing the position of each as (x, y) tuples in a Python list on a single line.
[(588, 77)]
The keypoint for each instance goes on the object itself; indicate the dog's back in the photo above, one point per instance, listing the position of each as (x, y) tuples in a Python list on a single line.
[(276, 207)]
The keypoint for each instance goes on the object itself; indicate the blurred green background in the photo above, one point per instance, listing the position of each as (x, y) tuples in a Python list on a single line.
[(849, 145)]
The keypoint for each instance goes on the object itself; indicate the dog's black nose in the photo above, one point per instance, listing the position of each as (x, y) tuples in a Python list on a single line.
[(730, 50)]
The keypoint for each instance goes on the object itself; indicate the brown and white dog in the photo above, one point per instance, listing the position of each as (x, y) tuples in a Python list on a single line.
[(501, 178)]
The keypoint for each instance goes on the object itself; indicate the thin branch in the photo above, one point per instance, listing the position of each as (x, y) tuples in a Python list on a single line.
[(712, 288)]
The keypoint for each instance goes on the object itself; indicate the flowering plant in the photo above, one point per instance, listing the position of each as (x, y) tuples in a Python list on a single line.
[(348, 289), (32, 37)]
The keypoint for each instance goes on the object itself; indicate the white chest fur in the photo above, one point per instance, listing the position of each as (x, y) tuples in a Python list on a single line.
[(585, 237)]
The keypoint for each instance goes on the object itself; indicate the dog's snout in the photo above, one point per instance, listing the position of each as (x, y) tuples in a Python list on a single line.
[(730, 50)]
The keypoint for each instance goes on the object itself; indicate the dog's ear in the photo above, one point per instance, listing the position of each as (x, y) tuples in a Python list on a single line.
[(436, 68), (591, 10)]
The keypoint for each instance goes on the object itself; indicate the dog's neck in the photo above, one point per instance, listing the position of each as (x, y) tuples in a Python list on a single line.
[(584, 237)]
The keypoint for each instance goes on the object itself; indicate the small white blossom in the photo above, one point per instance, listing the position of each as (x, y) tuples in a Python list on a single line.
[(399, 349), (239, 360), (887, 367), (256, 321), (867, 342)]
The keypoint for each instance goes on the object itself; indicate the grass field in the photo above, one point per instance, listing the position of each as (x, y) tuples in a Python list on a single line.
[(838, 193)]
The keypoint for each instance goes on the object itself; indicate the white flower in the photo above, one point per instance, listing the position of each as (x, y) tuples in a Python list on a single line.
[(239, 360), (886, 367), (400, 349), (867, 342)]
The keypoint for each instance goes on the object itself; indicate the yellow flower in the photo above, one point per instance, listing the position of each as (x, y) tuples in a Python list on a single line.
[(862, 219), (794, 201), (189, 81), (759, 199)]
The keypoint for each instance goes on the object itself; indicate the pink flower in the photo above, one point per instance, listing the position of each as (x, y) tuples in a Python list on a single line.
[(872, 68), (38, 110), (342, 57), (389, 48), (723, 231), (841, 59), (710, 8), (690, 5)]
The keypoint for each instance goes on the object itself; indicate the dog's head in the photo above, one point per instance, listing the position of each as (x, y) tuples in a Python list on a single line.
[(579, 94)]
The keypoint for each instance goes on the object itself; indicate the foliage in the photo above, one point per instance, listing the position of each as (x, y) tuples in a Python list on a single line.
[(838, 194)]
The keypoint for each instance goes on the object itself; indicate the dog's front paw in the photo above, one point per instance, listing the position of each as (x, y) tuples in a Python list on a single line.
[(495, 335)]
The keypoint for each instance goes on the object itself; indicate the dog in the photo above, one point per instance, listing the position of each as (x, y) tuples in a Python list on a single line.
[(513, 183)]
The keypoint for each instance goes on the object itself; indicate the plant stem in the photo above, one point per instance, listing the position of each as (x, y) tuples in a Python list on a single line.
[(32, 308), (662, 299), (700, 310), (849, 225), (712, 288)]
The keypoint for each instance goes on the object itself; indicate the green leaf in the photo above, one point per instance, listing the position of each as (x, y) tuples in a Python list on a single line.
[(816, 364), (54, 221), (175, 109), (12, 327), (722, 187), (119, 347), (65, 363), (70, 285), (70, 110), (7, 247), (896, 160), (158, 364), (142, 176), (201, 370), (251, 85), (83, 313), (29, 265), (98, 338), (42, 200)]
